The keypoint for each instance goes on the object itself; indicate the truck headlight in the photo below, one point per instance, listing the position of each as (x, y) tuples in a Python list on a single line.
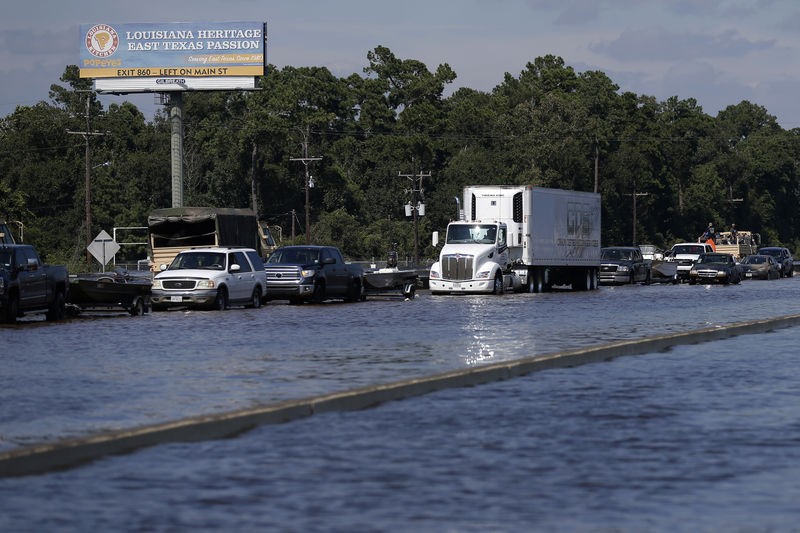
[(157, 284), (721, 274), (308, 273), (483, 274), (623, 268), (434, 275), (205, 284)]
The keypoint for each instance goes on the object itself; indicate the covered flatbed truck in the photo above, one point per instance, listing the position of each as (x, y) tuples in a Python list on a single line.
[(174, 229)]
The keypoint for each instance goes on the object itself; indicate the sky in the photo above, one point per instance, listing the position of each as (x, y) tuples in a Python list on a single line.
[(719, 52)]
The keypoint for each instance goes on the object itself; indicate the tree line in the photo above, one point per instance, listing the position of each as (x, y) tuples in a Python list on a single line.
[(548, 126)]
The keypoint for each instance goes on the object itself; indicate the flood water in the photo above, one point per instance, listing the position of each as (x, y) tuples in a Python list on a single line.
[(701, 438)]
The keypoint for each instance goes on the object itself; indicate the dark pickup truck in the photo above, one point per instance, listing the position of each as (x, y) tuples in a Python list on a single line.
[(313, 273), (29, 286)]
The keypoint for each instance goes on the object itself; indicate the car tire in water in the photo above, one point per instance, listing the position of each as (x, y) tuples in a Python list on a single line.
[(58, 309), (318, 296), (12, 309), (221, 301), (354, 292), (498, 285), (255, 298)]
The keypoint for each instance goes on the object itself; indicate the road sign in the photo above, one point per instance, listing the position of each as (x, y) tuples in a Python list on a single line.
[(103, 248)]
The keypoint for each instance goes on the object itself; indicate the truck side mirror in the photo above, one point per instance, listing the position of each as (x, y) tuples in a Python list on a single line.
[(328, 261), (234, 268)]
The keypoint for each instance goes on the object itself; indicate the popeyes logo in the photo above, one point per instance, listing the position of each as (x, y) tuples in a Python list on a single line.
[(102, 40)]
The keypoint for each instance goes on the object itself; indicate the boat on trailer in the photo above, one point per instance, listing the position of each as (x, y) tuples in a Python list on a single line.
[(392, 280), (113, 291)]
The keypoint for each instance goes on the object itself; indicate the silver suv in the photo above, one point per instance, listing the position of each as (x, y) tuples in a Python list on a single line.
[(211, 278)]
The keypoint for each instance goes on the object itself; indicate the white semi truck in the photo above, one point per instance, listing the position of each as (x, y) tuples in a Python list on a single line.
[(520, 238)]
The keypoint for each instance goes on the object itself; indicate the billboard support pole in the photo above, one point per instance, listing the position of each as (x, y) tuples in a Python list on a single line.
[(176, 130)]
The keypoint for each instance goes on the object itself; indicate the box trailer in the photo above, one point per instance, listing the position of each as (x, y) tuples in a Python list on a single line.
[(174, 229)]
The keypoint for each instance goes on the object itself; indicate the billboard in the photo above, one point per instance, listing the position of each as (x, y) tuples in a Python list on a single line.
[(156, 57)]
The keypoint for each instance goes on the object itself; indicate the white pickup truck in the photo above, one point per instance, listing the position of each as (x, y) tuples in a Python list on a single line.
[(685, 254)]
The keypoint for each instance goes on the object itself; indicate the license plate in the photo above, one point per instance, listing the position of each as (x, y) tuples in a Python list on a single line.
[(456, 285), (176, 298), (748, 275)]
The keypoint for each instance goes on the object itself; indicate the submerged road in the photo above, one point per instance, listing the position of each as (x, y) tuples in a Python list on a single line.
[(93, 374)]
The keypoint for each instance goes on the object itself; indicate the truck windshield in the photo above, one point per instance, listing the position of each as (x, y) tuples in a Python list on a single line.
[(469, 234), (198, 260), (294, 256), (711, 258), (688, 249), (621, 255)]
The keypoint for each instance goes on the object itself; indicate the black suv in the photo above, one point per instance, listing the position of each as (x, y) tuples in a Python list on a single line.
[(783, 257)]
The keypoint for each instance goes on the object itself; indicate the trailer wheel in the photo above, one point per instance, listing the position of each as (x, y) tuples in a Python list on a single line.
[(583, 280), (410, 292), (137, 308), (535, 280)]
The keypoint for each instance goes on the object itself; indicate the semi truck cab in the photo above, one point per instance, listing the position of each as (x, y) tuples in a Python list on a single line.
[(474, 258)]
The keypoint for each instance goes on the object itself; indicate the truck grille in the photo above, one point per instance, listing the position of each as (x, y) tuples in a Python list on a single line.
[(179, 284), (706, 273), (608, 268), (458, 267), (281, 273)]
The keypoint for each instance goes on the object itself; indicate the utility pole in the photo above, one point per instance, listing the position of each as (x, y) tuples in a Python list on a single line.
[(596, 163), (306, 160), (635, 194), (86, 134), (294, 215), (415, 205), (731, 200)]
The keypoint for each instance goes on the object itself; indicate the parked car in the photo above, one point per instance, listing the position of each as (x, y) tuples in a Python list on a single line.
[(783, 257), (685, 255), (623, 264), (760, 267), (312, 273), (715, 268), (211, 278), (27, 285)]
